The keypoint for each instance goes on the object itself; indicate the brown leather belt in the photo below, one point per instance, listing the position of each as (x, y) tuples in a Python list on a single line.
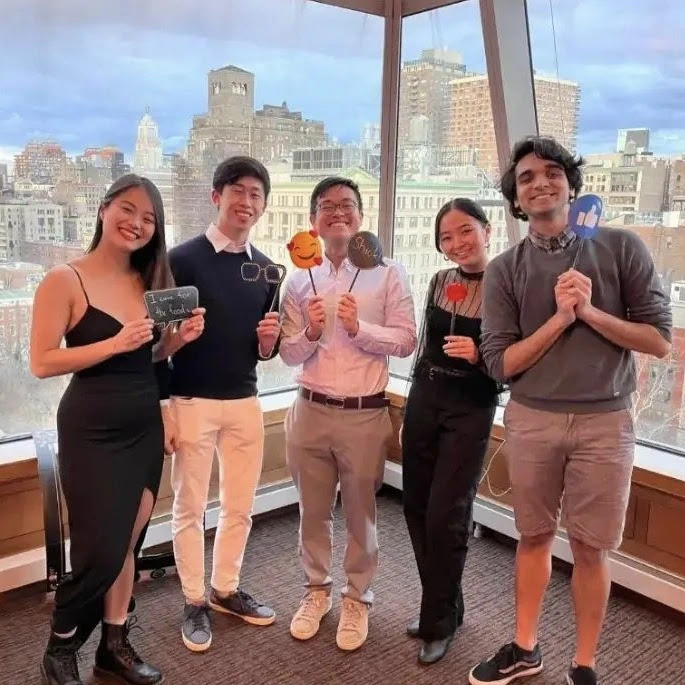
[(377, 401)]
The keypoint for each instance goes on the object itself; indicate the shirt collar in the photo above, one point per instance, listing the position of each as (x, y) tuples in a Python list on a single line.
[(552, 244), (328, 265), (222, 243)]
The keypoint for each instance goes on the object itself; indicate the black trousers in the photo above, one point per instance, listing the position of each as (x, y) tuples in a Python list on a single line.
[(444, 442)]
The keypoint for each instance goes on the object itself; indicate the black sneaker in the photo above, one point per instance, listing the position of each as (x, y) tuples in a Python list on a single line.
[(581, 675), (243, 605), (510, 663), (197, 629)]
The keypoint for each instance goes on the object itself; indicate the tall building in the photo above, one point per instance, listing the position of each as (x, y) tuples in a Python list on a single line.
[(471, 124), (633, 188), (102, 164), (148, 154), (3, 176), (43, 222), (277, 131), (632, 140), (425, 95), (225, 129), (41, 162)]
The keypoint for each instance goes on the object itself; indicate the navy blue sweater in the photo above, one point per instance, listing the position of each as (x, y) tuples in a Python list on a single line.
[(221, 363)]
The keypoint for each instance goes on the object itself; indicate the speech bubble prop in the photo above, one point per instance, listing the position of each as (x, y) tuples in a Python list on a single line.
[(365, 252), (583, 219), (455, 292), (171, 304), (305, 252)]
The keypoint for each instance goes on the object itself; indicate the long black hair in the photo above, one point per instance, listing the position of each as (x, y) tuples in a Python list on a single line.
[(151, 260)]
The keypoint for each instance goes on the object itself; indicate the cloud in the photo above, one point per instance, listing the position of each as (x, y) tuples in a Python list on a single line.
[(82, 74)]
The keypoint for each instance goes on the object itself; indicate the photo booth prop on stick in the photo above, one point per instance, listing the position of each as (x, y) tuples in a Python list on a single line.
[(305, 252)]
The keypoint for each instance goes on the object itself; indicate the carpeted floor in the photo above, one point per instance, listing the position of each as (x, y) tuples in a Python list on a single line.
[(639, 647)]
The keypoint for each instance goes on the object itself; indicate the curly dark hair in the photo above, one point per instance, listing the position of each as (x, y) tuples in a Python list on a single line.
[(544, 148)]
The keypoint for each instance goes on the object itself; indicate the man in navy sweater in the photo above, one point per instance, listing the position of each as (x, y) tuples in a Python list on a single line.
[(214, 397)]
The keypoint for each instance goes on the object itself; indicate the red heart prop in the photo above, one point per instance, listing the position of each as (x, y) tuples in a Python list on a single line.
[(456, 292)]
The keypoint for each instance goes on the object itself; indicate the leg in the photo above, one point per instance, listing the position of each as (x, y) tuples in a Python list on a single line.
[(595, 501), (419, 452), (533, 569), (463, 442), (537, 444), (118, 596), (190, 474), (315, 473), (240, 450), (115, 655), (590, 584), (360, 446)]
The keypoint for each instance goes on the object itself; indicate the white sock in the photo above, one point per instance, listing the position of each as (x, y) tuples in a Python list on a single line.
[(114, 621), (65, 636)]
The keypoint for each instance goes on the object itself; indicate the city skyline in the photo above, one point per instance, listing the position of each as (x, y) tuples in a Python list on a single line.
[(86, 96)]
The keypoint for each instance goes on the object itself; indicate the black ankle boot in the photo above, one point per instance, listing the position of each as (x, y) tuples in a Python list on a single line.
[(116, 657), (59, 665)]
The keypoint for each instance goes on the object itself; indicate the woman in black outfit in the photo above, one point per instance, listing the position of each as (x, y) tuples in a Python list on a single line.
[(447, 422), (111, 432)]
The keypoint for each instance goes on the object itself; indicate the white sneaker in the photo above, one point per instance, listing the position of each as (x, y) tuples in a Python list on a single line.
[(307, 619), (353, 628)]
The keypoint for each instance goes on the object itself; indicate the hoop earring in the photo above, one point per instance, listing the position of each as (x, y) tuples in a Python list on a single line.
[(487, 245), (445, 257)]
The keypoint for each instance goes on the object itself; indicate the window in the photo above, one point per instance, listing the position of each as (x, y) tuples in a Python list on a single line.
[(446, 142), (634, 170), (201, 111)]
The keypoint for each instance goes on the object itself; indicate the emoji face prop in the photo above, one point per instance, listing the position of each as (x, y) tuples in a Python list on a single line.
[(305, 249)]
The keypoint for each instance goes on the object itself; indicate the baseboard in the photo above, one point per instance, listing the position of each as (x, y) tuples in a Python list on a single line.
[(629, 572), (28, 567)]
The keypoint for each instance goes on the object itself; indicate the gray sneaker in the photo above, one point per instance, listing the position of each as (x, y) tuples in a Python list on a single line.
[(197, 630)]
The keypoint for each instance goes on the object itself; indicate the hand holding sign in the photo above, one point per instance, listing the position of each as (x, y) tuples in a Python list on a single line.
[(133, 334), (365, 252), (171, 305), (455, 293), (191, 329), (305, 252), (583, 219)]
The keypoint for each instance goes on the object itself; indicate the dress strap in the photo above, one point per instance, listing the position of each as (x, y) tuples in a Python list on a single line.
[(78, 275)]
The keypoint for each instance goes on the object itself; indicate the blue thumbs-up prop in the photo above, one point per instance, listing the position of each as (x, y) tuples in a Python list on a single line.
[(583, 218), (584, 214)]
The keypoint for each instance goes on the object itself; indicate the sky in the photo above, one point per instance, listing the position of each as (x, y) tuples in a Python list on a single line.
[(79, 73)]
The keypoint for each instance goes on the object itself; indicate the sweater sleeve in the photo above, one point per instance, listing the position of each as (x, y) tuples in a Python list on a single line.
[(643, 295), (500, 327)]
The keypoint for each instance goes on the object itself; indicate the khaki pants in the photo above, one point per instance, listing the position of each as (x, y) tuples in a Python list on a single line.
[(324, 446), (586, 460), (234, 429)]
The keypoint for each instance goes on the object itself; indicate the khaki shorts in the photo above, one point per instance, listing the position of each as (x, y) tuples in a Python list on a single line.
[(580, 461)]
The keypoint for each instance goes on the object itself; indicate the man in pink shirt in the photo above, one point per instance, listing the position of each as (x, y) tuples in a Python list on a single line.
[(338, 429)]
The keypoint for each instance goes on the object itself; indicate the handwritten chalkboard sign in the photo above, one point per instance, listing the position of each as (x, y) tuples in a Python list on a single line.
[(172, 304)]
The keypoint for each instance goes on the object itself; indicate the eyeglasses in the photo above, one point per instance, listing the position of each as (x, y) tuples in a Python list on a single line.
[(273, 273), (330, 207)]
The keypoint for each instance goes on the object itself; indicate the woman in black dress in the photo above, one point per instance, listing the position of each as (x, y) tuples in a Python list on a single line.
[(111, 431), (447, 422)]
